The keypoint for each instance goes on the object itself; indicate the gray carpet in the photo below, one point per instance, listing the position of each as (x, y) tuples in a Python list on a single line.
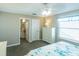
[(24, 47)]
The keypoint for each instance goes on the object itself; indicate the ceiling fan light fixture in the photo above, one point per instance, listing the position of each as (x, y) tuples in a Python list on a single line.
[(47, 12)]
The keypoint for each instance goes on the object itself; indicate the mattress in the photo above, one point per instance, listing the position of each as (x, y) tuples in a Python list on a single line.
[(57, 49)]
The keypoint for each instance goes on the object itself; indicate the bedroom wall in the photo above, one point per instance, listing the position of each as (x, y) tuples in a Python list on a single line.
[(51, 19), (10, 27), (67, 14)]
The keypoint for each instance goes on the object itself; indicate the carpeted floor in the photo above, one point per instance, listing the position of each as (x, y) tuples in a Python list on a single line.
[(24, 47)]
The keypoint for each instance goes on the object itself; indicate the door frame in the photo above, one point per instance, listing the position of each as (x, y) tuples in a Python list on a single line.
[(26, 19)]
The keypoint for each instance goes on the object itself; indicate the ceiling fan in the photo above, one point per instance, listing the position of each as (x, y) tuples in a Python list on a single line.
[(46, 11)]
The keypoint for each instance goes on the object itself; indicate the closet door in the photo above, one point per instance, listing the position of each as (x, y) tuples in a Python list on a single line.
[(35, 29), (48, 34)]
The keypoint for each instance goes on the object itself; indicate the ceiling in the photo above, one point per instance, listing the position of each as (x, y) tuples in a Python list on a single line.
[(37, 8)]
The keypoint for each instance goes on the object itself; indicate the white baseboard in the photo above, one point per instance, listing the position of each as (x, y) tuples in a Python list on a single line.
[(13, 44)]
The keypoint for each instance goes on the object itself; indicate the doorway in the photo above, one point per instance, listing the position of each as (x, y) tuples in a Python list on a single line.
[(24, 29)]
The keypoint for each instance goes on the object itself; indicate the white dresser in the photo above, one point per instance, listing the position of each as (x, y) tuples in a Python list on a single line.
[(3, 45), (48, 34)]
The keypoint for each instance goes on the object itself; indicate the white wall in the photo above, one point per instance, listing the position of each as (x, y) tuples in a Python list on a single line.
[(10, 27), (68, 14)]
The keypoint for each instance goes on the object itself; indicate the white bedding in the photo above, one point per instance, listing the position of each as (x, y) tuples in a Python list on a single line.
[(56, 49)]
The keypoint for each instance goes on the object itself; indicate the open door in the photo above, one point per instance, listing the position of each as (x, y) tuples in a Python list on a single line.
[(24, 34), (30, 29)]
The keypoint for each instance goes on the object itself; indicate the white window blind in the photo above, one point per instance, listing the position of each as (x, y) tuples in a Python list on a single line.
[(69, 28)]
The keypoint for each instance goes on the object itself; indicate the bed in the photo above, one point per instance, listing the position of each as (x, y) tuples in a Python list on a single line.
[(57, 49)]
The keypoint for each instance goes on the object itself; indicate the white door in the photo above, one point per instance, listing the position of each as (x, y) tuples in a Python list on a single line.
[(27, 29), (35, 29)]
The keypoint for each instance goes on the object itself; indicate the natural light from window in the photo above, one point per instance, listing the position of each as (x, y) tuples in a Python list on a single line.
[(69, 28)]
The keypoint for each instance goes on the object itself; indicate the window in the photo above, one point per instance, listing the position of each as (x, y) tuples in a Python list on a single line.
[(69, 28)]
